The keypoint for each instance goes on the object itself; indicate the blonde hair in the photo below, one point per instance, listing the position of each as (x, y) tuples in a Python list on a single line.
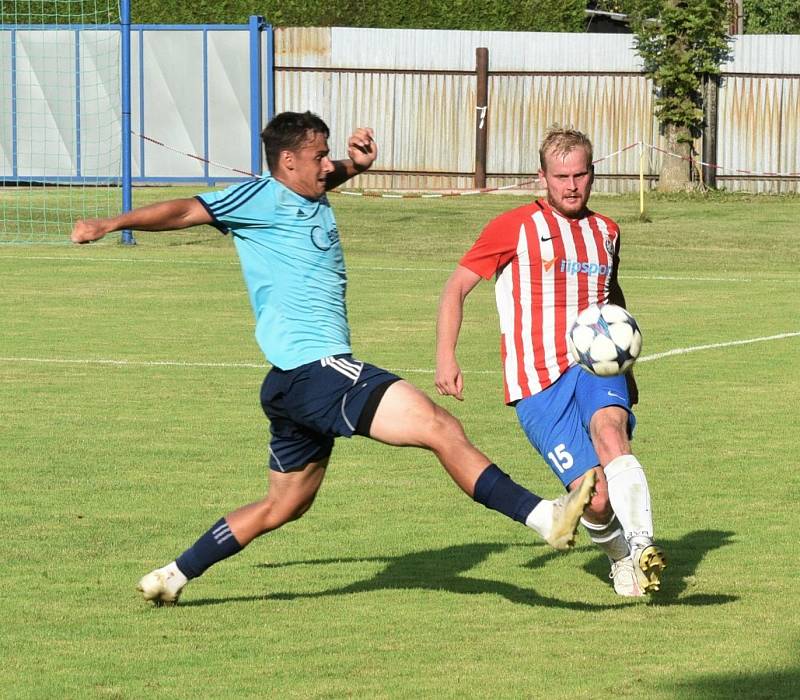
[(561, 142)]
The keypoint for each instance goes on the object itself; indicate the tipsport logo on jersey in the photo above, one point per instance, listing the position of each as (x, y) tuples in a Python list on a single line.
[(576, 267)]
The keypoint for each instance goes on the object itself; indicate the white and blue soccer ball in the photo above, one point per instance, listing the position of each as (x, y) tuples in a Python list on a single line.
[(605, 340)]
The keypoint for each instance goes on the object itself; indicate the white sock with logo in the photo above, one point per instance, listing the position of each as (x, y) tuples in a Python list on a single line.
[(630, 497), (609, 537)]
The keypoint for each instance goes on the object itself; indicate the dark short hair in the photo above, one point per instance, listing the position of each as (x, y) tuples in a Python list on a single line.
[(288, 131)]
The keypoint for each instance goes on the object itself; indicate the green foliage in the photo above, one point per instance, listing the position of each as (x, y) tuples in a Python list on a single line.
[(771, 17), (527, 15), (681, 42)]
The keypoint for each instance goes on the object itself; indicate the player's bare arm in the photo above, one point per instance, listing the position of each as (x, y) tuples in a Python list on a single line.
[(163, 216), (362, 150), (449, 380)]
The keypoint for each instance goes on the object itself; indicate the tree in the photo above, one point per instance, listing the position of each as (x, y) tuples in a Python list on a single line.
[(771, 17), (682, 44)]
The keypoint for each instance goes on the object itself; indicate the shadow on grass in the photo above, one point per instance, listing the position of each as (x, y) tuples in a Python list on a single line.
[(683, 557), (753, 686), (445, 569)]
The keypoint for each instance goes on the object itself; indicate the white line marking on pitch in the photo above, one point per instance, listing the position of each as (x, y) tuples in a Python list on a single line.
[(88, 258), (407, 370), (713, 346), (669, 278), (163, 261), (136, 363)]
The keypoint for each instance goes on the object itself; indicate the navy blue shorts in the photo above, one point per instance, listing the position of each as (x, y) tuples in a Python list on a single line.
[(311, 405), (556, 420)]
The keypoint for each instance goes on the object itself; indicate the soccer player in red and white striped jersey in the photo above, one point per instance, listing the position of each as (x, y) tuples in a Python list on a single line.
[(551, 259)]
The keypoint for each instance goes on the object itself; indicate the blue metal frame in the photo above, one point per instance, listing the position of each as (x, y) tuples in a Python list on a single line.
[(78, 161), (127, 195), (261, 60), (205, 103), (270, 34), (256, 25), (14, 126)]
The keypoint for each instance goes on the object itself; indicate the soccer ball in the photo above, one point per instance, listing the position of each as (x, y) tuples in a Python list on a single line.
[(605, 340)]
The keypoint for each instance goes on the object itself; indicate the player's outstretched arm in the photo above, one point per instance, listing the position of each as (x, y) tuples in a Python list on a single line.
[(449, 380), (362, 151), (163, 216)]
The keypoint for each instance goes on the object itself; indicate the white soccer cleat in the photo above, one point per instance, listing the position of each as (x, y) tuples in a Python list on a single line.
[(626, 583), (162, 586), (567, 512), (648, 563)]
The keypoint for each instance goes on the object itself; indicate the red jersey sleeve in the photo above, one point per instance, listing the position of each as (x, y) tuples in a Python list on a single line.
[(496, 246)]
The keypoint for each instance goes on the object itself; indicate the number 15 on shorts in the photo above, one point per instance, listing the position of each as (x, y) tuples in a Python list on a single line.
[(561, 459)]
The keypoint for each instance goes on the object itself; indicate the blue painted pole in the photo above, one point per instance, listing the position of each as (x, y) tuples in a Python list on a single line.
[(78, 163), (270, 71), (14, 146), (256, 25), (125, 77), (206, 153)]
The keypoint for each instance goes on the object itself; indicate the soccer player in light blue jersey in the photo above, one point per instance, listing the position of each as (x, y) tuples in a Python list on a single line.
[(288, 243)]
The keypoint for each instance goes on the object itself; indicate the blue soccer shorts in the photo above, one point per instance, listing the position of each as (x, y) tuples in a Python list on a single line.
[(556, 420), (311, 405)]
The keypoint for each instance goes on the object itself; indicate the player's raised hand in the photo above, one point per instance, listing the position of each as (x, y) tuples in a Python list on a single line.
[(449, 380), (88, 230), (362, 148)]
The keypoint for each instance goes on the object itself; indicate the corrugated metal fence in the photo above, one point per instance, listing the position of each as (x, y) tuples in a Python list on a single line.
[(417, 88)]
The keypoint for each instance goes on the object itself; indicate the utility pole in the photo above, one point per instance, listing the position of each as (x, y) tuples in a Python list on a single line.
[(737, 17)]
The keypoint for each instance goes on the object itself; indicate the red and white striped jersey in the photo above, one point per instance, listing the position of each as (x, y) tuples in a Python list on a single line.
[(549, 268)]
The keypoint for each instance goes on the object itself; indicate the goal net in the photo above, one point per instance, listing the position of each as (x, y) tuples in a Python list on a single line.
[(61, 155)]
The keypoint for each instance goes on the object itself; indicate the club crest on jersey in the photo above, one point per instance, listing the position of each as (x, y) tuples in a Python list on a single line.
[(322, 239), (609, 246)]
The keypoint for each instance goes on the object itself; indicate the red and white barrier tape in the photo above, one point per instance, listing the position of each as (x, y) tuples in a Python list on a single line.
[(719, 167), (467, 193)]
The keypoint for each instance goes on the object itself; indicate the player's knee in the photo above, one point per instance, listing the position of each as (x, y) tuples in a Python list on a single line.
[(599, 509), (444, 429), (609, 430)]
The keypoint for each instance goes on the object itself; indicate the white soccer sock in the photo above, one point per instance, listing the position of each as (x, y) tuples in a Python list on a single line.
[(177, 579), (541, 518), (609, 537), (630, 497)]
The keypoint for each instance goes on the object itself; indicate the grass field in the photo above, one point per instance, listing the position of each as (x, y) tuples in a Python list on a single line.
[(129, 384)]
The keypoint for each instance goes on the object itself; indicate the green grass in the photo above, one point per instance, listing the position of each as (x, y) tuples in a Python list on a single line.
[(394, 585)]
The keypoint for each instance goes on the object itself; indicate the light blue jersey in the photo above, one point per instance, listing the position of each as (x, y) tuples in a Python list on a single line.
[(293, 267)]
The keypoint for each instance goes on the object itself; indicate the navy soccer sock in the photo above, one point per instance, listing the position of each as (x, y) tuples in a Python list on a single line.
[(495, 489), (215, 545)]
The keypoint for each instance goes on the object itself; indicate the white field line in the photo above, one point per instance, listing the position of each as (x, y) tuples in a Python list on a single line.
[(171, 261), (136, 363), (714, 346), (407, 370)]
